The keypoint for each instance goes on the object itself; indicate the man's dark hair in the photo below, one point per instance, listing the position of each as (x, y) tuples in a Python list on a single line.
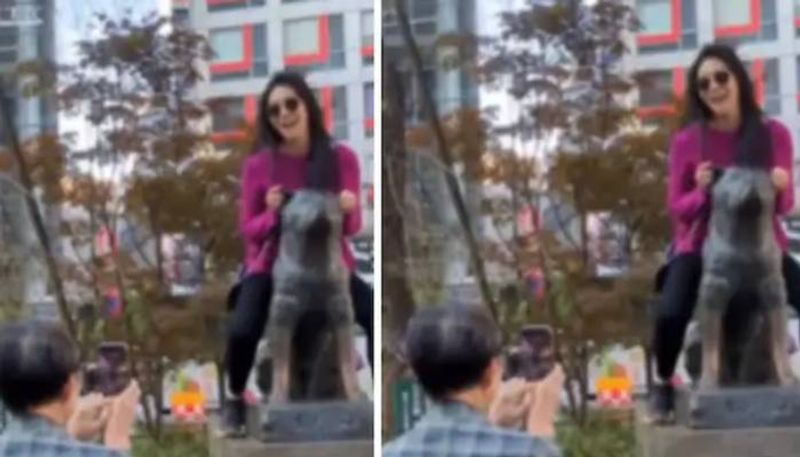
[(450, 347), (36, 361)]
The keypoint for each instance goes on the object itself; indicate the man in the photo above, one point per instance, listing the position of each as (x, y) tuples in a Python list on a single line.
[(455, 354), (39, 384)]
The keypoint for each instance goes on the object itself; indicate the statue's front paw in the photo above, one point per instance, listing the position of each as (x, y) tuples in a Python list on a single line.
[(788, 380)]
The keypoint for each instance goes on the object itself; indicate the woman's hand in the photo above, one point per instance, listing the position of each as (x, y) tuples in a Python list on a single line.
[(780, 179), (347, 201), (703, 175), (274, 198)]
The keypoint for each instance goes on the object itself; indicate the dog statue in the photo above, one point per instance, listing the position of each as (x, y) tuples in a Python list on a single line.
[(742, 297), (311, 314)]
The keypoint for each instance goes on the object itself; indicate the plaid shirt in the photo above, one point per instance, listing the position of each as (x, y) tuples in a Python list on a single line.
[(455, 430), (29, 436)]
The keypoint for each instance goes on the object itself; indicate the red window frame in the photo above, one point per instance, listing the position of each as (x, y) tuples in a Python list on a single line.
[(758, 80), (668, 109), (222, 2), (326, 100), (673, 36), (324, 48), (750, 28), (246, 63), (250, 113)]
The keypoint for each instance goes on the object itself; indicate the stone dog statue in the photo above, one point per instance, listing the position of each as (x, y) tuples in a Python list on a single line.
[(742, 298), (310, 327)]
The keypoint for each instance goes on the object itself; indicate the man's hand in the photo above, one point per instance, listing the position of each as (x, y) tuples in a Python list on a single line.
[(89, 418), (122, 418), (546, 403), (511, 404)]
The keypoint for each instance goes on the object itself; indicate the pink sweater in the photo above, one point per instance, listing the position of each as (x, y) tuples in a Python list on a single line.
[(688, 205), (256, 221)]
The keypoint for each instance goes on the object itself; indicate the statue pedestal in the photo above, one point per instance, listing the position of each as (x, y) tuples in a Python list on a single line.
[(681, 440), (315, 421), (325, 429), (737, 408)]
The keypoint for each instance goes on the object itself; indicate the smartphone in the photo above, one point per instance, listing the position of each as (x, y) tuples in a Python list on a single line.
[(533, 357), (110, 374)]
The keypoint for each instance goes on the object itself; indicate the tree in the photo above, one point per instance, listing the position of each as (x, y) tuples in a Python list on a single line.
[(562, 63)]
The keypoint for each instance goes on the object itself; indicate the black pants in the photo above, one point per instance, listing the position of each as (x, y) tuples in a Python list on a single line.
[(250, 316), (676, 307)]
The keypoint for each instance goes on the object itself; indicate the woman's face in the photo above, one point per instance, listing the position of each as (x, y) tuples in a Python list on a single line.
[(717, 87), (287, 113)]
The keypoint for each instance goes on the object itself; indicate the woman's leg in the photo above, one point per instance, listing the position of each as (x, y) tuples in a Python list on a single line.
[(674, 312), (363, 304), (246, 327)]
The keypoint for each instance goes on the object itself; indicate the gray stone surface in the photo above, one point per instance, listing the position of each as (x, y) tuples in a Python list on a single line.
[(317, 421), (681, 441), (735, 408), (251, 447)]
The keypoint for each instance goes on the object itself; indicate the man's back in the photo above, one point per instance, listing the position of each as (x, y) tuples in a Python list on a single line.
[(455, 430), (31, 436)]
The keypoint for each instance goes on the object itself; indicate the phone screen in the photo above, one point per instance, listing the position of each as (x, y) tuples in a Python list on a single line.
[(534, 355), (112, 375)]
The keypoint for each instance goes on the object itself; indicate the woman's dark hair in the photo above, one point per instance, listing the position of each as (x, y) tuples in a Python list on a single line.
[(36, 361), (322, 167), (450, 347), (754, 144)]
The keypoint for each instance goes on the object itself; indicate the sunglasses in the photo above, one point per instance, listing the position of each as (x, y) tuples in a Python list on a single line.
[(720, 77), (290, 105)]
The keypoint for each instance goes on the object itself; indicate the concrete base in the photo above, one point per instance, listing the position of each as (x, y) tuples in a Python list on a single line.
[(737, 408), (251, 447), (317, 421), (681, 441)]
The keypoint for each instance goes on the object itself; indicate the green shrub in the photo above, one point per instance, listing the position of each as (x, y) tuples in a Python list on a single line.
[(600, 437), (173, 443)]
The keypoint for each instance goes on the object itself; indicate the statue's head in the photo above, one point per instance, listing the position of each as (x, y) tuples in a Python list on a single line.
[(312, 215), (744, 193)]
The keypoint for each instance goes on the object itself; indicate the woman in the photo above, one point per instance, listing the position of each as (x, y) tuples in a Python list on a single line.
[(297, 153), (725, 126)]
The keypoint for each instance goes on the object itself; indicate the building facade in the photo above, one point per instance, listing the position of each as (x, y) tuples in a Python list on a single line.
[(766, 34), (27, 33), (330, 41)]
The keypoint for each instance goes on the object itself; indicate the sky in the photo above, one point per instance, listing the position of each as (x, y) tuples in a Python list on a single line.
[(73, 23)]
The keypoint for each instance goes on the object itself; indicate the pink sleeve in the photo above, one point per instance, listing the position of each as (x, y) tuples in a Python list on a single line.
[(783, 153), (255, 220), (350, 179), (685, 201)]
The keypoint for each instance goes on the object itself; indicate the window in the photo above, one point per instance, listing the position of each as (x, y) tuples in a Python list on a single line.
[(667, 25), (239, 52), (658, 90), (422, 14), (743, 21), (369, 109), (767, 84), (314, 43), (333, 101), (367, 37), (228, 44), (797, 17), (229, 115), (225, 5)]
